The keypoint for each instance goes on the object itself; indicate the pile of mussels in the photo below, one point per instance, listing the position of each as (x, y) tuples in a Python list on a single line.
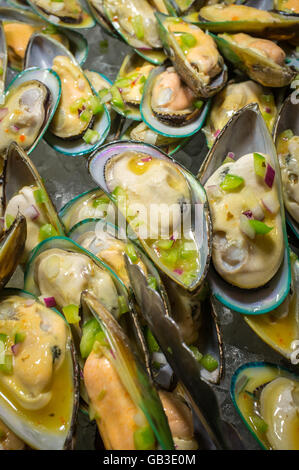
[(118, 314)]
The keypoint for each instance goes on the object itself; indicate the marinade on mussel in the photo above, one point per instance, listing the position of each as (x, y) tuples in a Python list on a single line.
[(38, 373), (241, 177), (234, 97), (144, 184), (266, 397)]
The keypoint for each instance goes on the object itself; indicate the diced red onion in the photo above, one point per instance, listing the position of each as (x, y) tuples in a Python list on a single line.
[(270, 202), (81, 84), (147, 159), (258, 213), (14, 128), (178, 271), (31, 212), (216, 133), (50, 302), (248, 214), (269, 176), (3, 112), (245, 226), (15, 348), (231, 155), (268, 110)]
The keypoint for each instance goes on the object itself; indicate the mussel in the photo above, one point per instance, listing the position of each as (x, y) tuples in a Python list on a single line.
[(287, 144), (194, 55), (81, 121), (38, 376), (223, 18), (266, 397), (128, 172), (248, 217), (3, 62), (20, 26), (262, 60), (126, 407), (24, 193), (68, 13), (30, 103), (234, 97), (169, 107)]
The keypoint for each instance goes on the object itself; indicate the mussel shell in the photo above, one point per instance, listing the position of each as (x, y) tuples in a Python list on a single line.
[(185, 69), (19, 4), (164, 128), (43, 50), (288, 119), (19, 171), (258, 68), (78, 43), (84, 22), (3, 62), (285, 28), (12, 243), (98, 12), (96, 165), (252, 136), (168, 145), (269, 5), (130, 370), (70, 208), (51, 81), (280, 337), (37, 437), (241, 380)]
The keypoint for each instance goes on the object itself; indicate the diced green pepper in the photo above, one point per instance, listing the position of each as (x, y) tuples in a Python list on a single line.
[(9, 220), (130, 250), (231, 182), (122, 305), (164, 244), (7, 366), (196, 352), (259, 164), (117, 100), (86, 115), (47, 231), (20, 338), (99, 201), (71, 313), (91, 136), (137, 23), (95, 105), (188, 40), (198, 104), (260, 228), (40, 196), (152, 282), (144, 438), (151, 341), (123, 82), (259, 424), (209, 363), (89, 331)]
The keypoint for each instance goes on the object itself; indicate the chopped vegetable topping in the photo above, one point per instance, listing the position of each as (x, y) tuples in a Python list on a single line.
[(259, 424), (89, 331), (151, 341), (117, 100), (130, 250), (196, 352), (9, 220), (137, 23), (47, 231), (122, 305), (144, 438), (20, 338), (209, 363), (91, 136), (152, 282), (259, 165), (40, 196), (231, 182), (260, 228), (71, 313)]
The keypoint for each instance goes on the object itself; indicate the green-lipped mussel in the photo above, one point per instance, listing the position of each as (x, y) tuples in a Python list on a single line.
[(12, 243), (81, 122), (234, 97), (30, 103), (169, 107), (194, 55), (245, 198), (67, 13), (287, 144), (126, 407), (128, 172), (3, 62), (38, 373), (243, 19), (262, 60), (25, 193), (266, 397)]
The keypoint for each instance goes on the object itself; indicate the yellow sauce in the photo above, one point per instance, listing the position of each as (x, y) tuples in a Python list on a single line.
[(219, 13)]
